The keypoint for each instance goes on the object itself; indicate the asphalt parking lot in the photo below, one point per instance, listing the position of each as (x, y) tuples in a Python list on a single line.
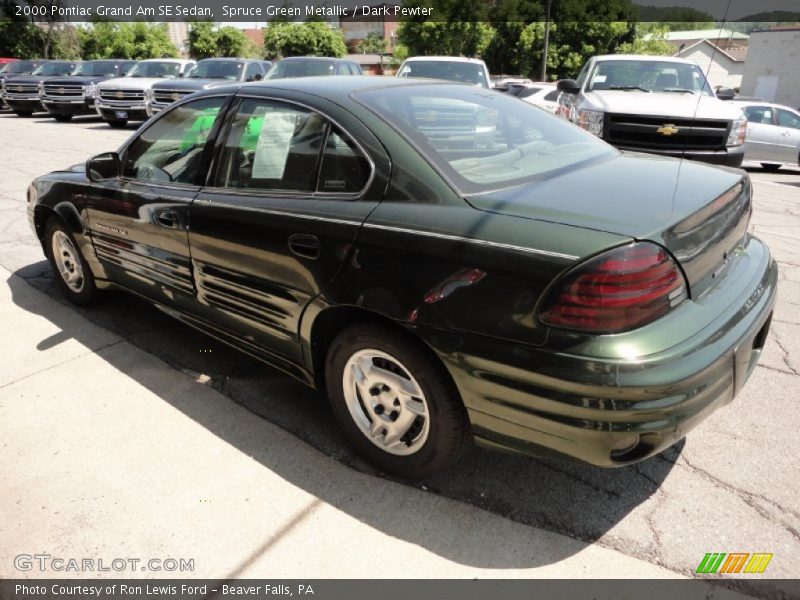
[(731, 486)]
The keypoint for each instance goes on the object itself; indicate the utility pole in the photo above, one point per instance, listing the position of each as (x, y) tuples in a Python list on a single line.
[(546, 42)]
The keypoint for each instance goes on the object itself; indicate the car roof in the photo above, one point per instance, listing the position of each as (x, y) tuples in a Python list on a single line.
[(228, 59), (766, 103), (644, 58), (328, 87), (176, 60), (461, 59)]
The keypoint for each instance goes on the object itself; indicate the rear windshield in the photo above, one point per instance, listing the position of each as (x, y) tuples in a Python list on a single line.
[(482, 140), (462, 72), (155, 69), (54, 68), (301, 68), (97, 68), (217, 69)]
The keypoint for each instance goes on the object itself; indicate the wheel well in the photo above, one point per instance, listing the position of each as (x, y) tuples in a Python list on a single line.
[(41, 214), (332, 321)]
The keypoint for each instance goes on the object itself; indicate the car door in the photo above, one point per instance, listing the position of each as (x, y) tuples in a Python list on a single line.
[(138, 221), (787, 147), (762, 134), (288, 195)]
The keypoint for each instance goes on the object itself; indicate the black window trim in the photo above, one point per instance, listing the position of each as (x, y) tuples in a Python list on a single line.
[(207, 151), (222, 136)]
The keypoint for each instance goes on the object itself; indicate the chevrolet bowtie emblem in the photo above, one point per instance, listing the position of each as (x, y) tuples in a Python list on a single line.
[(120, 95), (175, 96), (60, 90), (667, 130), (19, 88)]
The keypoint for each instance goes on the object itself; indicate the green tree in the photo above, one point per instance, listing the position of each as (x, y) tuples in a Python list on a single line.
[(372, 44), (649, 40), (232, 42), (151, 41), (202, 40), (135, 40), (303, 39), (18, 36)]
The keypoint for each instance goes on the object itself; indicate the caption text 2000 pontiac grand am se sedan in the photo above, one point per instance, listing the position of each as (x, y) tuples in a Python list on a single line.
[(446, 262)]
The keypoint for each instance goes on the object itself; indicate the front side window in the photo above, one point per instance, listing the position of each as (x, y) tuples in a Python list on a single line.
[(480, 139), (272, 146), (171, 149), (788, 119), (759, 114), (252, 70)]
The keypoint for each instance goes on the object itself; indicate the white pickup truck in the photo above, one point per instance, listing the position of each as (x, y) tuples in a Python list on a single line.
[(658, 104)]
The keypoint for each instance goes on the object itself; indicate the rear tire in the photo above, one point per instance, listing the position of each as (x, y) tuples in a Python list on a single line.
[(395, 404), (71, 270), (117, 124), (62, 118), (771, 167)]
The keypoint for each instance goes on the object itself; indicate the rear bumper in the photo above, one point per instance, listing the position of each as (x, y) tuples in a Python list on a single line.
[(729, 157), (601, 407)]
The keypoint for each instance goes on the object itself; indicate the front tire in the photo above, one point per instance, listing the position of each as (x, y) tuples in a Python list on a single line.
[(72, 271), (116, 124), (24, 113), (771, 167), (395, 404), (62, 118)]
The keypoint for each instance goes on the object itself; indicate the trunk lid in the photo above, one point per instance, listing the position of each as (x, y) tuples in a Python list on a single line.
[(698, 212)]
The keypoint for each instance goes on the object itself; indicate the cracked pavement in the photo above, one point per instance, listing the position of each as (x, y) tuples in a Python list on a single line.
[(731, 486)]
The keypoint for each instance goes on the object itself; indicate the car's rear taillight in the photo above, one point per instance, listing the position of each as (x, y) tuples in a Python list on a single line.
[(616, 291)]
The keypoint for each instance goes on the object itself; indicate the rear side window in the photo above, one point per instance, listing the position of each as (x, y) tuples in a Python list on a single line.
[(171, 149), (275, 146), (344, 169), (788, 119)]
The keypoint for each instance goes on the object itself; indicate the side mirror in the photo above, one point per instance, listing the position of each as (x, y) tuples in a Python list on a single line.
[(181, 75), (258, 77), (103, 166), (568, 86), (726, 94)]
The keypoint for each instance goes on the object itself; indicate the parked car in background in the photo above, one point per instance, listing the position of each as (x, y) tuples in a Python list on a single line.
[(472, 71), (207, 73), (5, 61), (773, 134), (312, 66), (23, 93), (75, 94), (319, 225), (544, 95), (658, 104), (125, 99), (509, 84)]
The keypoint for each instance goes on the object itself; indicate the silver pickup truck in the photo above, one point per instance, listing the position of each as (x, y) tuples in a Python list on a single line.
[(656, 104)]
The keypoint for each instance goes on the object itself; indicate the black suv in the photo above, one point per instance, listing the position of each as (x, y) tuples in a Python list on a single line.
[(23, 93), (208, 73), (65, 97)]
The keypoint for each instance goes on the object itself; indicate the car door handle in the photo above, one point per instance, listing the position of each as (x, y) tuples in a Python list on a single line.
[(305, 245), (168, 218)]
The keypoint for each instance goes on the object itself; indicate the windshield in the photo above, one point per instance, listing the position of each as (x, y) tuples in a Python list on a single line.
[(300, 68), (17, 67), (217, 69), (462, 72), (96, 68), (158, 69), (649, 76), (482, 140), (54, 68)]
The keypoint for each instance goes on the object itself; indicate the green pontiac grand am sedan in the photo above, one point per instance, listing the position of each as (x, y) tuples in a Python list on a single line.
[(447, 263)]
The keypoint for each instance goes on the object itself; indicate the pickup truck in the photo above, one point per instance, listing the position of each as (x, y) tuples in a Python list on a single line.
[(656, 104), (65, 97), (23, 93)]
